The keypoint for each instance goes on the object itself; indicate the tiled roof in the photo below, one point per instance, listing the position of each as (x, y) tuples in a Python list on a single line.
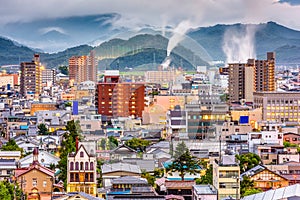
[(179, 184), (129, 180), (114, 167)]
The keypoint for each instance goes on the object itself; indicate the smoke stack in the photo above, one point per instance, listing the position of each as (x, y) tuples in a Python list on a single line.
[(77, 142)]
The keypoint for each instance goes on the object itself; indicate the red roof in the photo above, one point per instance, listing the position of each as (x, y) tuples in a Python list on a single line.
[(179, 184), (45, 170), (172, 196)]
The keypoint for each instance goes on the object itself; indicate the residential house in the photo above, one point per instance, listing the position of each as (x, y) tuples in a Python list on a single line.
[(293, 138), (10, 155), (115, 170), (265, 179), (205, 192), (7, 168), (181, 188), (122, 152), (129, 186)]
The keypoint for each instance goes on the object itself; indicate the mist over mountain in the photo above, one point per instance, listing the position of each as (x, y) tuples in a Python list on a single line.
[(199, 46)]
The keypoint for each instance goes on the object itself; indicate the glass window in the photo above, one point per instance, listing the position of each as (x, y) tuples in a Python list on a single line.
[(92, 166), (86, 166), (72, 166)]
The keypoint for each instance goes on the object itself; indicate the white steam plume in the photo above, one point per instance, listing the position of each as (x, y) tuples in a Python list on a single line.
[(178, 35), (239, 45), (166, 63)]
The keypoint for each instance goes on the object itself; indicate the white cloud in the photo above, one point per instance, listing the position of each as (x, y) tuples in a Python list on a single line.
[(49, 29), (135, 13)]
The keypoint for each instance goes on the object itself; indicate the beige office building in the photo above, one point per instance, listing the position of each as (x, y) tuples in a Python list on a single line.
[(160, 76), (278, 106)]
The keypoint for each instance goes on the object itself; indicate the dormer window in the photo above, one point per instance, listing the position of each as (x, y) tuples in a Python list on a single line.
[(81, 154)]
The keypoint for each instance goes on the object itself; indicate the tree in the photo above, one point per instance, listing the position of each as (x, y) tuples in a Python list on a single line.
[(4, 192), (112, 142), (103, 143), (185, 163), (8, 191), (137, 144), (180, 149), (42, 129), (248, 161), (247, 187), (207, 178), (149, 177), (158, 172), (99, 171), (64, 70), (11, 145), (68, 145)]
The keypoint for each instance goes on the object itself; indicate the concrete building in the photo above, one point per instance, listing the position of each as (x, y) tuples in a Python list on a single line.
[(255, 75), (31, 77), (48, 76), (278, 106), (160, 76), (82, 68), (36, 181), (120, 99), (226, 177)]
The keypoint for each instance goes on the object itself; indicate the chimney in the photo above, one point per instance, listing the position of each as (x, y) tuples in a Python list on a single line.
[(77, 143)]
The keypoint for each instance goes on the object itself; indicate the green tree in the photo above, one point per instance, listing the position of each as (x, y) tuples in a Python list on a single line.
[(112, 142), (184, 163), (137, 144), (4, 192), (99, 171), (248, 161), (247, 187), (150, 178), (103, 143), (64, 70), (9, 191), (11, 145), (207, 178), (180, 149), (68, 145), (158, 172), (42, 129)]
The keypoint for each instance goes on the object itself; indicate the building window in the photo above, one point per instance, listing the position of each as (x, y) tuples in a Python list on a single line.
[(76, 166), (44, 183), (77, 177), (72, 166), (34, 182), (71, 177), (91, 166), (81, 165), (81, 154), (88, 126), (91, 177), (86, 166)]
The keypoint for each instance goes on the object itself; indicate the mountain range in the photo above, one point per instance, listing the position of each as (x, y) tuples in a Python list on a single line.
[(122, 49)]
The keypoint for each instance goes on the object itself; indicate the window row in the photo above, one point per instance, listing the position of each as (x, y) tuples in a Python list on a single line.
[(82, 166)]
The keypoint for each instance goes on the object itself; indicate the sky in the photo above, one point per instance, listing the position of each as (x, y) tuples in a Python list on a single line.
[(157, 13)]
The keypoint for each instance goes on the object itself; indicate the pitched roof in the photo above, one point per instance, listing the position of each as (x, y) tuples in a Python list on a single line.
[(289, 192), (129, 180), (38, 167), (179, 184), (117, 167)]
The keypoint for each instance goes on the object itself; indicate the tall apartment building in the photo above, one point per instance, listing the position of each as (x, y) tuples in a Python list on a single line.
[(226, 177), (278, 106), (83, 68), (48, 75), (31, 77), (255, 75), (120, 99)]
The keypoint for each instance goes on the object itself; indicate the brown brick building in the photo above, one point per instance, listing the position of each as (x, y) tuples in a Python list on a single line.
[(36, 181), (120, 99)]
